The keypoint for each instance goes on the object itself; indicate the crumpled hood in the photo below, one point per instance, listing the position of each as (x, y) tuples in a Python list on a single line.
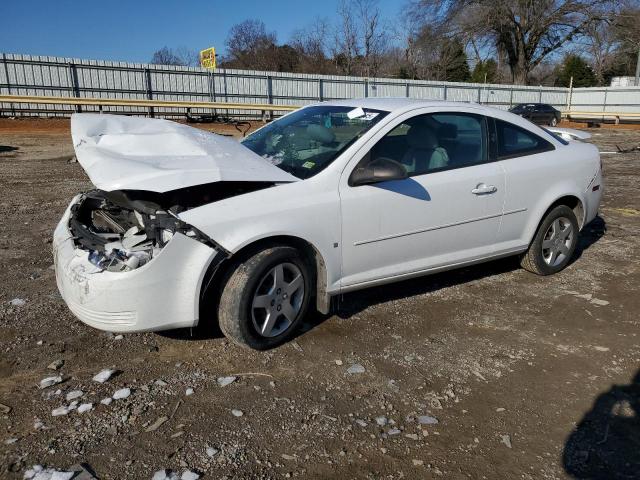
[(134, 153)]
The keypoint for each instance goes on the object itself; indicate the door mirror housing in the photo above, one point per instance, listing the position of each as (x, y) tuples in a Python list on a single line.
[(379, 170)]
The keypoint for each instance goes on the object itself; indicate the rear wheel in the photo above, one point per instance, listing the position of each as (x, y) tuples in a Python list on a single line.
[(553, 122), (554, 242), (265, 297)]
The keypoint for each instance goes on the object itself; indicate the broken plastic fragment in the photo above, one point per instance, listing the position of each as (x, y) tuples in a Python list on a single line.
[(104, 375), (49, 381), (121, 394)]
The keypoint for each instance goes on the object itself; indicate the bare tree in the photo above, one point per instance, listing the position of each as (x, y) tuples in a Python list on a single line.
[(601, 44), (627, 31), (311, 44), (249, 45), (182, 56), (361, 38), (526, 31), (346, 48)]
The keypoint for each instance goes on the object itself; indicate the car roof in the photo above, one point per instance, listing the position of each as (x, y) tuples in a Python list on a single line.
[(399, 105), (394, 104)]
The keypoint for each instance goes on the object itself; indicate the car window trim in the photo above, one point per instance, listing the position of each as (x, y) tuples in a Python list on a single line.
[(484, 122)]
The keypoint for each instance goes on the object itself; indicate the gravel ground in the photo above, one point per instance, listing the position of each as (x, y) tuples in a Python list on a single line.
[(485, 372)]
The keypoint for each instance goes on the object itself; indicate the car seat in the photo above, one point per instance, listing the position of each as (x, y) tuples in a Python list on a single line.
[(424, 152)]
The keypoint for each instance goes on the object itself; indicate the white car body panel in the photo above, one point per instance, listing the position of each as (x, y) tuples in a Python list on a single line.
[(403, 217), (131, 153), (365, 235)]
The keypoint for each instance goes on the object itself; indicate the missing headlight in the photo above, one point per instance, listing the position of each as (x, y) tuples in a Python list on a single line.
[(122, 236)]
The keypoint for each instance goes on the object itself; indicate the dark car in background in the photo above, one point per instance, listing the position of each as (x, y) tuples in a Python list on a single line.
[(539, 113)]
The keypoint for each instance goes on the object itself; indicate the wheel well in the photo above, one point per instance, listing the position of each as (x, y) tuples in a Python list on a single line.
[(216, 276), (573, 203)]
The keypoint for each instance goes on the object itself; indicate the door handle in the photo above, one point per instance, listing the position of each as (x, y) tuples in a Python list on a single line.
[(482, 189)]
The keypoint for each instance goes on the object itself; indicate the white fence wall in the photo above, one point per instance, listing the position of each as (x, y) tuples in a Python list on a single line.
[(70, 77)]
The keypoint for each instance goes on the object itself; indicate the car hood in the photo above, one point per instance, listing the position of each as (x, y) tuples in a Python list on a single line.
[(131, 153)]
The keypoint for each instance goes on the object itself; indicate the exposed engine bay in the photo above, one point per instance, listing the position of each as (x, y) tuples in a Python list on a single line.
[(124, 230)]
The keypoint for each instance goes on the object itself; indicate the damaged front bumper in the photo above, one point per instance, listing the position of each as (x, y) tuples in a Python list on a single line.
[(161, 294)]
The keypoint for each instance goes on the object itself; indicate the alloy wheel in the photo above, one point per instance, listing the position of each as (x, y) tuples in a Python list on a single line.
[(557, 240), (277, 300)]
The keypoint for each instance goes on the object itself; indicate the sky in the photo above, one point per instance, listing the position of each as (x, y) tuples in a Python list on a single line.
[(132, 30)]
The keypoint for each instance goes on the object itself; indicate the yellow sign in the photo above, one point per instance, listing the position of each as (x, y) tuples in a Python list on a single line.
[(208, 58)]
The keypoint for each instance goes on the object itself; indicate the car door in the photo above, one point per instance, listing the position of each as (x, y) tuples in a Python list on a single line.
[(537, 114), (445, 213), (527, 160)]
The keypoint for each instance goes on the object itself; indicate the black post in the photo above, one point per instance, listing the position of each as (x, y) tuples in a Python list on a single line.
[(147, 73), (212, 91), (321, 90), (270, 94), (6, 74), (73, 72)]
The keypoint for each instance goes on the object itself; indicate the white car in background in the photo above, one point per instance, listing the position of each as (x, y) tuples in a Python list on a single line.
[(330, 198)]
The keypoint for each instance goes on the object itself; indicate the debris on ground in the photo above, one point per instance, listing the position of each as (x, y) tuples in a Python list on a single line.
[(224, 381), (121, 394), (56, 365), (104, 375), (50, 381), (355, 368)]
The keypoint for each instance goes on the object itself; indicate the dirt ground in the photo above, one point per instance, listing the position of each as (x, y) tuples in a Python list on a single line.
[(527, 377)]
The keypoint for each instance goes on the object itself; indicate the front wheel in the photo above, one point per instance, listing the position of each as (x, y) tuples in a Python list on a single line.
[(553, 122), (265, 297), (554, 242)]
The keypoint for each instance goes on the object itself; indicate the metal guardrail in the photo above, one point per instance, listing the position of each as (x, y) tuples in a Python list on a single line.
[(261, 107), (616, 116), (117, 102)]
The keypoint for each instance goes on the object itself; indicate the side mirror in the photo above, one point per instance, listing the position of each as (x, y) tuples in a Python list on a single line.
[(379, 170)]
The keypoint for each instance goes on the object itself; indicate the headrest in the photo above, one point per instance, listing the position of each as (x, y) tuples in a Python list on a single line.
[(421, 136), (320, 133)]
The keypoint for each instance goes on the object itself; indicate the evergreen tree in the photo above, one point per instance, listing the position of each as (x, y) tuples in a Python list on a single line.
[(489, 68), (575, 66), (453, 62)]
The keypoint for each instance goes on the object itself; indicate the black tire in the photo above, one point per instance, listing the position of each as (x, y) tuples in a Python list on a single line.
[(553, 122), (534, 259), (235, 312)]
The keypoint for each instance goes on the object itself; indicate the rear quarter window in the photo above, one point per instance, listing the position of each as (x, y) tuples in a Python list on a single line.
[(514, 141)]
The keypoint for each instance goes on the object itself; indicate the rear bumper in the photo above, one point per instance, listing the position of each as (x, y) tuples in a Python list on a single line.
[(163, 294)]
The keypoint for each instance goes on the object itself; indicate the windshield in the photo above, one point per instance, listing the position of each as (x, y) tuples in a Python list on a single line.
[(308, 140)]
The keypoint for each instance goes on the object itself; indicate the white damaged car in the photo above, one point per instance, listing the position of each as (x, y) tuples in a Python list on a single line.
[(330, 198)]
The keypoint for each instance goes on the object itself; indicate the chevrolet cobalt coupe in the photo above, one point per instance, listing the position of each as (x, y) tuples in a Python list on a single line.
[(330, 198)]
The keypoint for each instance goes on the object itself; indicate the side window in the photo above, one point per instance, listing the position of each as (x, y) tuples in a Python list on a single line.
[(514, 141), (434, 142)]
